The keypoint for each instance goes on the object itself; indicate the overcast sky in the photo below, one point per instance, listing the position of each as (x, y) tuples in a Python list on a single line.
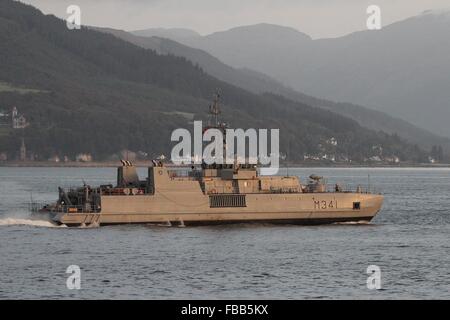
[(317, 18)]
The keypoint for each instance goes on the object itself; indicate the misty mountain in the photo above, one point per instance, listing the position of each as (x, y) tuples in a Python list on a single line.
[(250, 80), (177, 34), (258, 82), (247, 47), (402, 69), (95, 93)]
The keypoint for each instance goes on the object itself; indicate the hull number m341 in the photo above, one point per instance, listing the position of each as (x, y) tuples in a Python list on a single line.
[(325, 204)]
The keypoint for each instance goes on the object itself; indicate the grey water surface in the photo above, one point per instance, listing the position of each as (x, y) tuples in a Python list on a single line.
[(408, 240)]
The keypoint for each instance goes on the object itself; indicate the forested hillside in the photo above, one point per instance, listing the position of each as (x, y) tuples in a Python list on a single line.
[(260, 83), (401, 69), (94, 93)]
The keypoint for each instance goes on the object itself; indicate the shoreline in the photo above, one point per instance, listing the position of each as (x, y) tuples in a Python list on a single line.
[(114, 164)]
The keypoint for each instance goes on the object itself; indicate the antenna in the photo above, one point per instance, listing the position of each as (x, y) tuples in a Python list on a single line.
[(368, 183), (214, 109), (287, 156)]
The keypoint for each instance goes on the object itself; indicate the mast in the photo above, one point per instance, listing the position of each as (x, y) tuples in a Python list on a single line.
[(214, 121), (214, 112)]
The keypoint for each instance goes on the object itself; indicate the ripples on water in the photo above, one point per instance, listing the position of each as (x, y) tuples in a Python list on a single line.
[(409, 241)]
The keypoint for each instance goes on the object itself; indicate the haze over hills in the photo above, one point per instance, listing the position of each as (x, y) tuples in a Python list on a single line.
[(259, 83), (177, 34), (402, 69), (244, 78), (95, 93)]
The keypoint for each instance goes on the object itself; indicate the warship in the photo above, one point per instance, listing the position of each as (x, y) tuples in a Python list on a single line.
[(209, 194)]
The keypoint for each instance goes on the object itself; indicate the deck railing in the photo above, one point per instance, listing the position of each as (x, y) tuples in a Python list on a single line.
[(43, 207)]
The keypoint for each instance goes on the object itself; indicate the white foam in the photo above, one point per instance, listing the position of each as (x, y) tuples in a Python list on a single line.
[(27, 222), (362, 222)]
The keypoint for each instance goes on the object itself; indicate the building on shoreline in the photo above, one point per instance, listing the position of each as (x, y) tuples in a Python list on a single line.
[(18, 120), (83, 157)]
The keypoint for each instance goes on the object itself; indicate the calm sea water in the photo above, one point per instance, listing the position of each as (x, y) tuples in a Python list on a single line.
[(409, 241)]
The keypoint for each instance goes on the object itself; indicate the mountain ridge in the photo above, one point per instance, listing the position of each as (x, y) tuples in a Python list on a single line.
[(103, 95), (398, 69), (372, 119)]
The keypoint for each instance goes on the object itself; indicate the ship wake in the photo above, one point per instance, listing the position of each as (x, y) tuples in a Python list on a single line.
[(352, 223), (27, 222)]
